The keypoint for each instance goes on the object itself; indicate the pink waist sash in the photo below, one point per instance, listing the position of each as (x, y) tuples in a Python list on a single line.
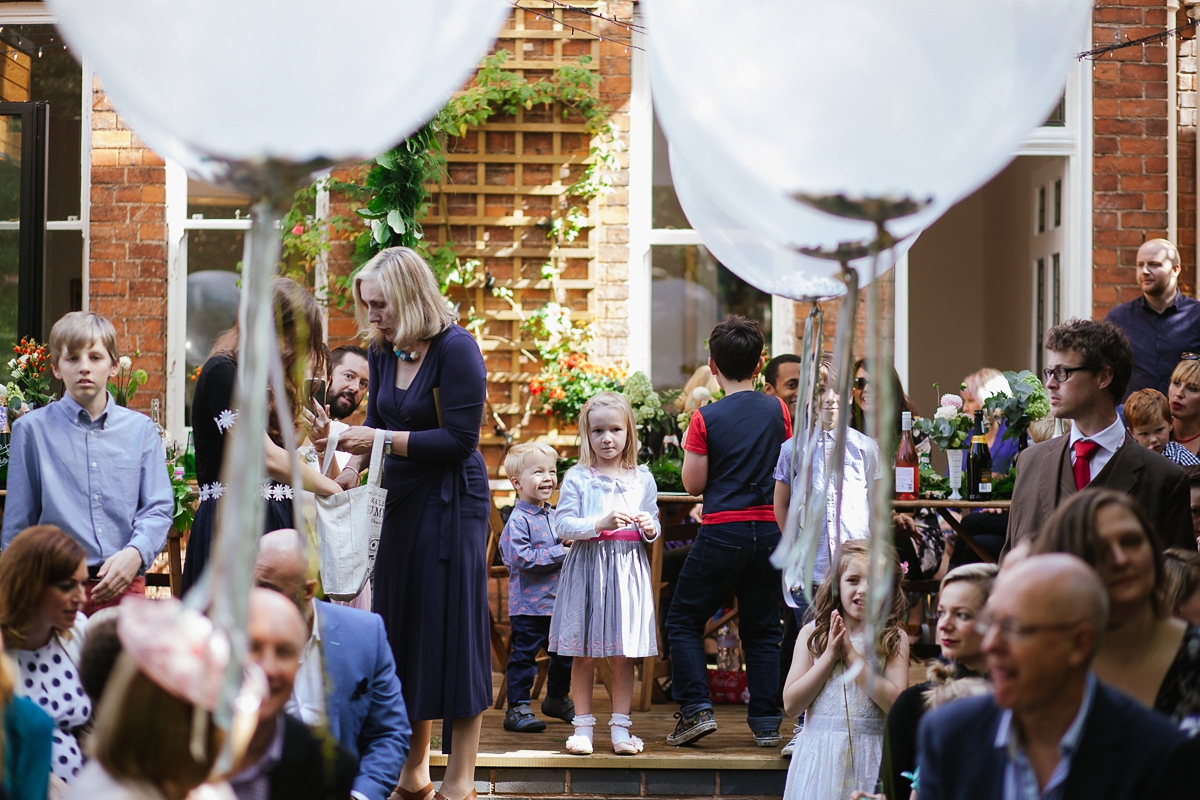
[(622, 535)]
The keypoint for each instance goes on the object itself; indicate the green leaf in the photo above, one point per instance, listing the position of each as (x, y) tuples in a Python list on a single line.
[(386, 160), (395, 221), (379, 230)]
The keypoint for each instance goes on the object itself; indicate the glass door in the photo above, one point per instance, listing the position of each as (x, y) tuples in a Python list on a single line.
[(22, 221)]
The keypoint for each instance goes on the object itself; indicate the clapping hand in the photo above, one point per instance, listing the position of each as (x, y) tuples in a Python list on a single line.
[(838, 641)]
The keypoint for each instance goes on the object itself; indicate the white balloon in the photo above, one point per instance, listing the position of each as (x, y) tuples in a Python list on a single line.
[(917, 98), (295, 81), (754, 231)]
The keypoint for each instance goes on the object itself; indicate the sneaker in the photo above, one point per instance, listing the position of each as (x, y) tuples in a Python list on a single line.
[(767, 738), (559, 707), (520, 719), (692, 727), (790, 747)]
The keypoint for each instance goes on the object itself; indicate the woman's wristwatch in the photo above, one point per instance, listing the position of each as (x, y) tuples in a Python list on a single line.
[(387, 443)]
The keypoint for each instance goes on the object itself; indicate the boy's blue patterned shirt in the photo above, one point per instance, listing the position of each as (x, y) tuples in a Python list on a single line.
[(534, 556)]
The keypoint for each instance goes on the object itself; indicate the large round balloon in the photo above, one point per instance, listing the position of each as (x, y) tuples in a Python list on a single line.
[(747, 227), (296, 81), (212, 308), (920, 98)]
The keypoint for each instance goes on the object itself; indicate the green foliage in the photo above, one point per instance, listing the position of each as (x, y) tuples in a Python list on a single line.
[(128, 381), (668, 473), (950, 432), (1002, 485), (1028, 403), (933, 483), (395, 194), (639, 391), (306, 236)]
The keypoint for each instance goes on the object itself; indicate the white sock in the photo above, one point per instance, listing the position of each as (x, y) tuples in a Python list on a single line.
[(618, 728), (585, 726)]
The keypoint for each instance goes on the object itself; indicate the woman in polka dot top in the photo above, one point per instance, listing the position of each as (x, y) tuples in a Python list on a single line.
[(42, 575)]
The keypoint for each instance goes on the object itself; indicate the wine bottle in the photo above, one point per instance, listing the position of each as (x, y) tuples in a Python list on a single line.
[(979, 464), (4, 437), (908, 473)]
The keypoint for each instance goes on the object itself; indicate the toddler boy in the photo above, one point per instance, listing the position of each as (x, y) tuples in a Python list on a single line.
[(91, 467), (534, 556), (1148, 416)]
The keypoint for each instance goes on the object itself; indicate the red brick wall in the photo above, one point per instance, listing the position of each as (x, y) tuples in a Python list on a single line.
[(128, 259), (1129, 108)]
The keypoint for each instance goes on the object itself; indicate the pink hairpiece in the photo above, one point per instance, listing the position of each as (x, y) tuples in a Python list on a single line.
[(177, 648)]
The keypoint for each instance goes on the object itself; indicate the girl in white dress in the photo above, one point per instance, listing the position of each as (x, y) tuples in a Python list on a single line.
[(842, 743), (607, 507)]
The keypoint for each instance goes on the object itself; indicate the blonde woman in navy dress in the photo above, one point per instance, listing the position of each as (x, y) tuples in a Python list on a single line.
[(427, 389)]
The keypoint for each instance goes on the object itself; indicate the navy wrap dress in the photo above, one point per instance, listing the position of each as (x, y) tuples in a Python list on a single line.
[(430, 571)]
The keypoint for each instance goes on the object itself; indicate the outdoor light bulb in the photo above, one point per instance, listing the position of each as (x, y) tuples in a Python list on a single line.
[(245, 80), (928, 102)]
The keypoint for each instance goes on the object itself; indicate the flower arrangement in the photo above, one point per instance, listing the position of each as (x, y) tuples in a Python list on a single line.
[(949, 427), (1028, 404), (30, 375), (569, 381), (128, 381)]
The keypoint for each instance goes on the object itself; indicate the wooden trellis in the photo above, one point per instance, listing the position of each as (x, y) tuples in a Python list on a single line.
[(507, 181)]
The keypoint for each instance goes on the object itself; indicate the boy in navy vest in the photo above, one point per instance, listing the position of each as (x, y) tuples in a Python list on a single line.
[(729, 457)]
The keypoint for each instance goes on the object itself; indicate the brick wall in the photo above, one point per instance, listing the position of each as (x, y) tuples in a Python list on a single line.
[(128, 259), (1129, 107)]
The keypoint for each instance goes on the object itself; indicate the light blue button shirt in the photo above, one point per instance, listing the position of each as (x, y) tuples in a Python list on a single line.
[(1020, 781), (102, 481)]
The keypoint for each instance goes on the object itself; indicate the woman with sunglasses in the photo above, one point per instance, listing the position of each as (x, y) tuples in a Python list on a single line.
[(1184, 396), (1146, 653)]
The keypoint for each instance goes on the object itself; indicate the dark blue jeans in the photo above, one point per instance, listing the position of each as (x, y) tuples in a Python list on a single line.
[(529, 635), (730, 558)]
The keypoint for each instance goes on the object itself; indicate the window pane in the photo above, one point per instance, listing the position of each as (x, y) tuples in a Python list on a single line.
[(62, 287), (1058, 203), (665, 211), (36, 66), (1056, 277), (1041, 209), (690, 293), (212, 296), (1058, 116), (209, 202)]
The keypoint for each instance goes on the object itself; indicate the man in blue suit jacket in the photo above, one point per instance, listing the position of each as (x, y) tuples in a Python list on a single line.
[(1051, 731), (359, 693)]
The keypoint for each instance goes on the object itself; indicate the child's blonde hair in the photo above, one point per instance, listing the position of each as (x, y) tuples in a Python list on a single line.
[(608, 400), (514, 460), (888, 640), (78, 330)]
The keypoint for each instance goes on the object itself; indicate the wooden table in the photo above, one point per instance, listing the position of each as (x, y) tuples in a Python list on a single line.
[(943, 509)]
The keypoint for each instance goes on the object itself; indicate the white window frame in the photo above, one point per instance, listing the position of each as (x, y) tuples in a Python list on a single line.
[(38, 14)]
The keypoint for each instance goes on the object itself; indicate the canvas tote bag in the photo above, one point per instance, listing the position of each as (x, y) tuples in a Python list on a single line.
[(348, 527)]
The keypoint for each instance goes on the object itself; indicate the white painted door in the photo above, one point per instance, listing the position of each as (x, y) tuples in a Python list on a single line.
[(1047, 229)]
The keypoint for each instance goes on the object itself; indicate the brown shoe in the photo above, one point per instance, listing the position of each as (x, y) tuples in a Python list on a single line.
[(472, 796), (420, 794)]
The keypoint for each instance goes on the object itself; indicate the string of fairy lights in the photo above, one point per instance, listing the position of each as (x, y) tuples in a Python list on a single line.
[(630, 27), (1108, 49)]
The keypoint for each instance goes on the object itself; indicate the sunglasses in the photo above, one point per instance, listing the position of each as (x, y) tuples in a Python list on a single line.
[(861, 383), (1189, 357)]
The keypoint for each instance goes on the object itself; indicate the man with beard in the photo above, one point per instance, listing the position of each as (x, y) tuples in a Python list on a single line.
[(349, 378)]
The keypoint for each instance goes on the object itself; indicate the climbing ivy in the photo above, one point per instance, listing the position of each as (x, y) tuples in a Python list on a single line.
[(394, 194)]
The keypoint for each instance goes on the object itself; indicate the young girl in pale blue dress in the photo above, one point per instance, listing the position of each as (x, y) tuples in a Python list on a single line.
[(608, 505)]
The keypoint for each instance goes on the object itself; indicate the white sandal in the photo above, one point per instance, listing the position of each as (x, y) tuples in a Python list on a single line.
[(623, 743), (580, 743)]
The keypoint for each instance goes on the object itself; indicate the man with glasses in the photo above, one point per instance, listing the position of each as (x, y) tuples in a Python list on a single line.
[(1050, 731), (1162, 323), (1088, 365)]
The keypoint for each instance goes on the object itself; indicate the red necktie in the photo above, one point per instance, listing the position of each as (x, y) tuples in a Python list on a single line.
[(1084, 450)]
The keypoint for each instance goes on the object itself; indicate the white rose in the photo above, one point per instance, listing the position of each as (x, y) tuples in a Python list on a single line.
[(126, 362), (946, 412), (16, 373), (701, 394)]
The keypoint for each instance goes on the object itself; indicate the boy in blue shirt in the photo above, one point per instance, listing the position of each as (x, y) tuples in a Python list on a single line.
[(534, 557), (729, 456), (90, 467)]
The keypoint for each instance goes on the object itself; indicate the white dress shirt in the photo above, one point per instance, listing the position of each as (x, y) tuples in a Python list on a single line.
[(308, 694), (1110, 440)]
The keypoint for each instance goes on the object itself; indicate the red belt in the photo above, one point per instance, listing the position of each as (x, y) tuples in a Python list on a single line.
[(622, 535)]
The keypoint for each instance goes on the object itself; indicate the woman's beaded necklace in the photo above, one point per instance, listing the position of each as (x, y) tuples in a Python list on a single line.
[(407, 355)]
